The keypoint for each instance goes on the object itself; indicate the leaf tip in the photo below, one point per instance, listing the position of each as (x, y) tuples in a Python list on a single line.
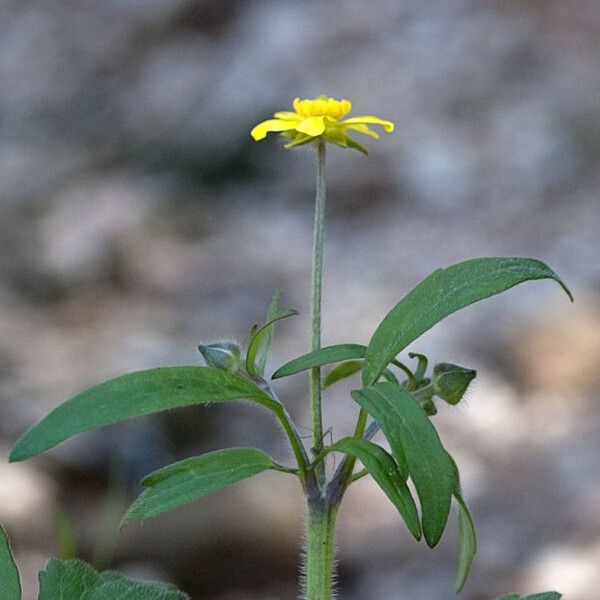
[(17, 454), (127, 519), (567, 290), (432, 539)]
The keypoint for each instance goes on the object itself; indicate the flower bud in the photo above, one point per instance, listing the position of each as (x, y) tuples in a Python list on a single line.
[(222, 355), (450, 382)]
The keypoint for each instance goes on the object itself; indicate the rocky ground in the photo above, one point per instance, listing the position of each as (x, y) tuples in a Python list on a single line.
[(139, 219)]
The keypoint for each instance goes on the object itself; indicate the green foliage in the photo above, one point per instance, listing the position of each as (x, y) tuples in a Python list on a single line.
[(67, 579), (388, 375), (467, 540), (134, 395), (318, 358), (341, 371), (415, 443), (259, 336), (542, 596), (10, 585), (385, 471), (421, 369), (445, 291), (266, 347), (190, 479), (67, 536), (76, 580)]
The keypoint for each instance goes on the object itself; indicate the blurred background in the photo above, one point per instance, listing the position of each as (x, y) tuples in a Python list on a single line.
[(139, 219)]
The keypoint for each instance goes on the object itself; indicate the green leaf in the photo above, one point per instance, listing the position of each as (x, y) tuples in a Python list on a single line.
[(318, 358), (68, 579), (414, 441), (411, 381), (76, 580), (117, 587), (266, 347), (134, 395), (341, 371), (190, 479), (384, 470), (542, 596), (422, 361), (10, 585), (257, 339), (467, 541), (67, 536), (445, 291)]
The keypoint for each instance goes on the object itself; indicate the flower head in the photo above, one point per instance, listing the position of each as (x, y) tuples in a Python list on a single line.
[(320, 117)]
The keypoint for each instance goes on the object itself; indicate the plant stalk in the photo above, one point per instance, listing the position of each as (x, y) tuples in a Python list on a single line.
[(320, 522), (316, 418), (320, 550)]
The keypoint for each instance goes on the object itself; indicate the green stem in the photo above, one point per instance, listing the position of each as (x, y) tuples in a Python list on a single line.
[(319, 550), (316, 418), (343, 476), (292, 433)]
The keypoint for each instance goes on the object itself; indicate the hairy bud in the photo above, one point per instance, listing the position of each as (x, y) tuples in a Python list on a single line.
[(450, 382), (222, 355)]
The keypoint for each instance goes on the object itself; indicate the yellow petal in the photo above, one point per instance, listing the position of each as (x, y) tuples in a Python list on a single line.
[(261, 130), (363, 129), (287, 116), (312, 126), (388, 126)]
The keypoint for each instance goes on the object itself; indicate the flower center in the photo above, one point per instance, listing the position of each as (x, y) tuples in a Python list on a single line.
[(322, 106)]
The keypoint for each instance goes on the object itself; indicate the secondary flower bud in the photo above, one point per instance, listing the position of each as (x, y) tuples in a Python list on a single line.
[(222, 355), (450, 382)]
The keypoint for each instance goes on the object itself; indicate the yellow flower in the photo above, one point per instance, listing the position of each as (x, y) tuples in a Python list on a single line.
[(320, 118)]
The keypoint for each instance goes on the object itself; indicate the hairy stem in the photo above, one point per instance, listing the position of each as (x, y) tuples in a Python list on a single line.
[(316, 418), (320, 550), (320, 522)]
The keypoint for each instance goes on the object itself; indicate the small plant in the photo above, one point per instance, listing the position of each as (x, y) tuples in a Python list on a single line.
[(393, 398)]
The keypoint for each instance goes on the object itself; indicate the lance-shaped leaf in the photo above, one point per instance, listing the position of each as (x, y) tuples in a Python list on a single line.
[(385, 472), (10, 585), (76, 580), (467, 540), (134, 395), (190, 479), (413, 438), (259, 336), (341, 371), (542, 596), (445, 291), (318, 358), (266, 346)]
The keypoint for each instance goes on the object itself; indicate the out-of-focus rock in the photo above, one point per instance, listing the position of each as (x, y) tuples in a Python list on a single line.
[(575, 567), (27, 500), (558, 352)]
